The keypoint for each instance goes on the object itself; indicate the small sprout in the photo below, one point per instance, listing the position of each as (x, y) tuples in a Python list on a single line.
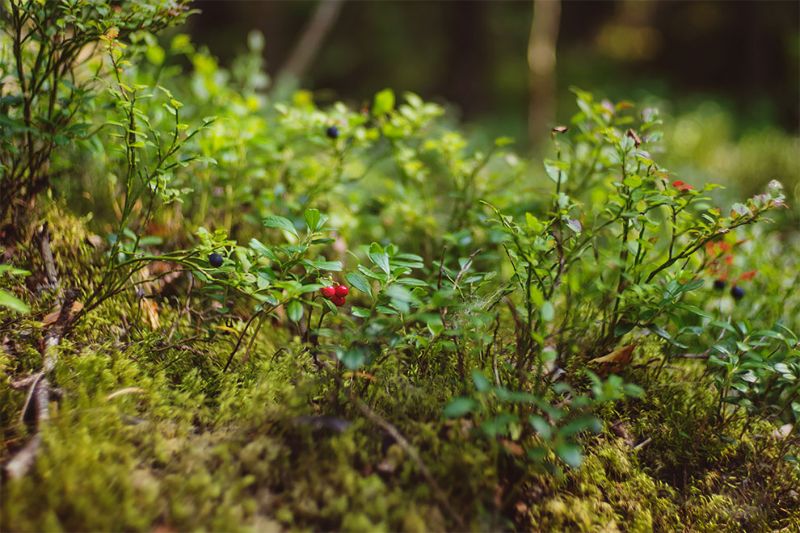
[(215, 260)]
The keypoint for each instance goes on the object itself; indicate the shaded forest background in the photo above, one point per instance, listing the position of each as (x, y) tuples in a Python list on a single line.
[(743, 56)]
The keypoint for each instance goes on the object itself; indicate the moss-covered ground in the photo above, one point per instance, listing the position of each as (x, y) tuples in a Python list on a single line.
[(150, 435)]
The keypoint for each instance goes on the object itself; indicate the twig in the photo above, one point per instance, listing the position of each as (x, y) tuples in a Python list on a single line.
[(22, 461), (703, 355), (184, 310), (412, 452), (37, 402), (491, 353), (47, 256)]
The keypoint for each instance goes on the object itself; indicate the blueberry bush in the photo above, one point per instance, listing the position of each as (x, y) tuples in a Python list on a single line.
[(222, 309)]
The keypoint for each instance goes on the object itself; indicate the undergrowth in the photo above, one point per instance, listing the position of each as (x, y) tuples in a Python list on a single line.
[(269, 315)]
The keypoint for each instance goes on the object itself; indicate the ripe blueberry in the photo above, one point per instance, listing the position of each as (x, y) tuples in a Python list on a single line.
[(338, 301), (328, 292), (719, 284), (737, 292), (341, 290), (215, 260), (332, 132)]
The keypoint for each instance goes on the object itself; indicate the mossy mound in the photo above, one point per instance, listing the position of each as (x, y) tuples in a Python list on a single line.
[(149, 433)]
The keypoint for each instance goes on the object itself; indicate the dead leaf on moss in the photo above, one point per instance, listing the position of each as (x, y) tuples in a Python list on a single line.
[(616, 360), (512, 447), (52, 318), (149, 309)]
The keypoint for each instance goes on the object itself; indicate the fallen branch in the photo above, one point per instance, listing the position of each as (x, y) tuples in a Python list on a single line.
[(36, 410)]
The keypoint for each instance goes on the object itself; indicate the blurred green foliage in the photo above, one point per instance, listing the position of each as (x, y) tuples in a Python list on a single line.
[(527, 343)]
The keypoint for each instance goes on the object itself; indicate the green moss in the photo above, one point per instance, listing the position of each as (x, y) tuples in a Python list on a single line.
[(151, 433), (609, 492)]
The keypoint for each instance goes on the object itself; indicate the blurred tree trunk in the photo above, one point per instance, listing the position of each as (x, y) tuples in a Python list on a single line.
[(542, 68), (467, 74), (310, 41)]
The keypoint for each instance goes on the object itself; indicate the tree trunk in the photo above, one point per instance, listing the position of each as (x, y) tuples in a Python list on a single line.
[(542, 68), (310, 42)]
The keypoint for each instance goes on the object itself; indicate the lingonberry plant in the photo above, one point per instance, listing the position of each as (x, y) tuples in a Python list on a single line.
[(276, 281), (49, 65)]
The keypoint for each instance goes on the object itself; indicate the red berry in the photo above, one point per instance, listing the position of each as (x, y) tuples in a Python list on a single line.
[(338, 301), (328, 292), (341, 290)]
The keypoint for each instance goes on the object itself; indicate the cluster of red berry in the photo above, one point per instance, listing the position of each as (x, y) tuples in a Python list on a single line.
[(336, 294)]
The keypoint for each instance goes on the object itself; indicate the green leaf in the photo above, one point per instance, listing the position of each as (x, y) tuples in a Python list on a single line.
[(582, 423), (537, 453), (313, 218), (355, 357), (556, 170), (12, 302), (274, 221), (498, 425), (13, 271), (379, 257), (570, 454), (383, 103), (481, 383), (459, 407), (295, 311), (330, 266), (360, 312), (259, 247), (359, 282), (541, 426), (548, 312), (370, 274), (533, 223)]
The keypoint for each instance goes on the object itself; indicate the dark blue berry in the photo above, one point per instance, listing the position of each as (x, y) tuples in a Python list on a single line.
[(719, 284), (737, 292), (215, 260), (332, 132)]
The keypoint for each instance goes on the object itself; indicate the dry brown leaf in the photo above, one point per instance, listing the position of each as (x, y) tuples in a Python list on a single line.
[(620, 356), (616, 360), (783, 431), (150, 310), (52, 318), (95, 240), (512, 447)]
